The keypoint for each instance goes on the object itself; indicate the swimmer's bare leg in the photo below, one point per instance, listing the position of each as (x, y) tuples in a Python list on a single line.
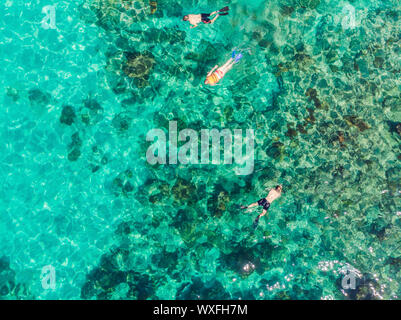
[(256, 222), (250, 206), (227, 67), (214, 19), (227, 63)]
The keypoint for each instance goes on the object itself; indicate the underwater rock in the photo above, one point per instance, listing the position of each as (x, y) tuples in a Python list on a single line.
[(97, 159), (74, 147), (7, 277), (97, 280), (282, 67), (361, 65), (264, 43), (393, 179), (341, 137), (74, 154), (188, 233), (120, 87), (121, 121), (222, 200), (67, 115), (311, 4), (391, 102), (92, 104), (355, 45), (154, 198), (123, 184), (394, 127), (199, 290), (138, 66), (331, 56), (75, 141), (378, 228), (9, 289), (38, 98), (246, 260), (218, 201), (355, 121), (141, 286), (311, 118), (91, 112), (276, 150), (288, 50), (103, 281), (12, 93), (290, 131), (286, 10), (312, 94), (185, 221), (167, 260), (162, 191), (303, 60), (183, 190), (256, 35), (4, 264), (301, 128), (378, 62), (206, 55)]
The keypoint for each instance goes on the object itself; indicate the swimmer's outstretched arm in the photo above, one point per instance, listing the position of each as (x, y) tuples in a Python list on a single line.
[(194, 26), (211, 71)]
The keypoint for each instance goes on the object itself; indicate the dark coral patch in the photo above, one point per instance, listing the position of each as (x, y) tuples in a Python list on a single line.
[(139, 66), (68, 115), (38, 98)]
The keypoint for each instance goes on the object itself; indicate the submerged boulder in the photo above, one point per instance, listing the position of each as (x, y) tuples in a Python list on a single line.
[(183, 190), (138, 66), (67, 115), (121, 122), (355, 121), (38, 98), (311, 4), (91, 112)]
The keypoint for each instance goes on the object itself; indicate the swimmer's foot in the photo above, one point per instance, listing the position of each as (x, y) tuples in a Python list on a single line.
[(238, 57), (244, 207)]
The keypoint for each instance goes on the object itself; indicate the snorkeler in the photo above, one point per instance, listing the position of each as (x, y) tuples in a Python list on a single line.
[(217, 73), (265, 202), (194, 19)]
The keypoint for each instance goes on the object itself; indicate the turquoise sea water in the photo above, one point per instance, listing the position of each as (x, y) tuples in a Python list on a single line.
[(77, 194)]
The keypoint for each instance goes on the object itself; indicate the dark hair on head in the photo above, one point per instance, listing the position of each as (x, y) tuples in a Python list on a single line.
[(185, 18), (276, 187)]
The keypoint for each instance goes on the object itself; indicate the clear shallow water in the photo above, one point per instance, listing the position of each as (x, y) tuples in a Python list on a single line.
[(77, 193)]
